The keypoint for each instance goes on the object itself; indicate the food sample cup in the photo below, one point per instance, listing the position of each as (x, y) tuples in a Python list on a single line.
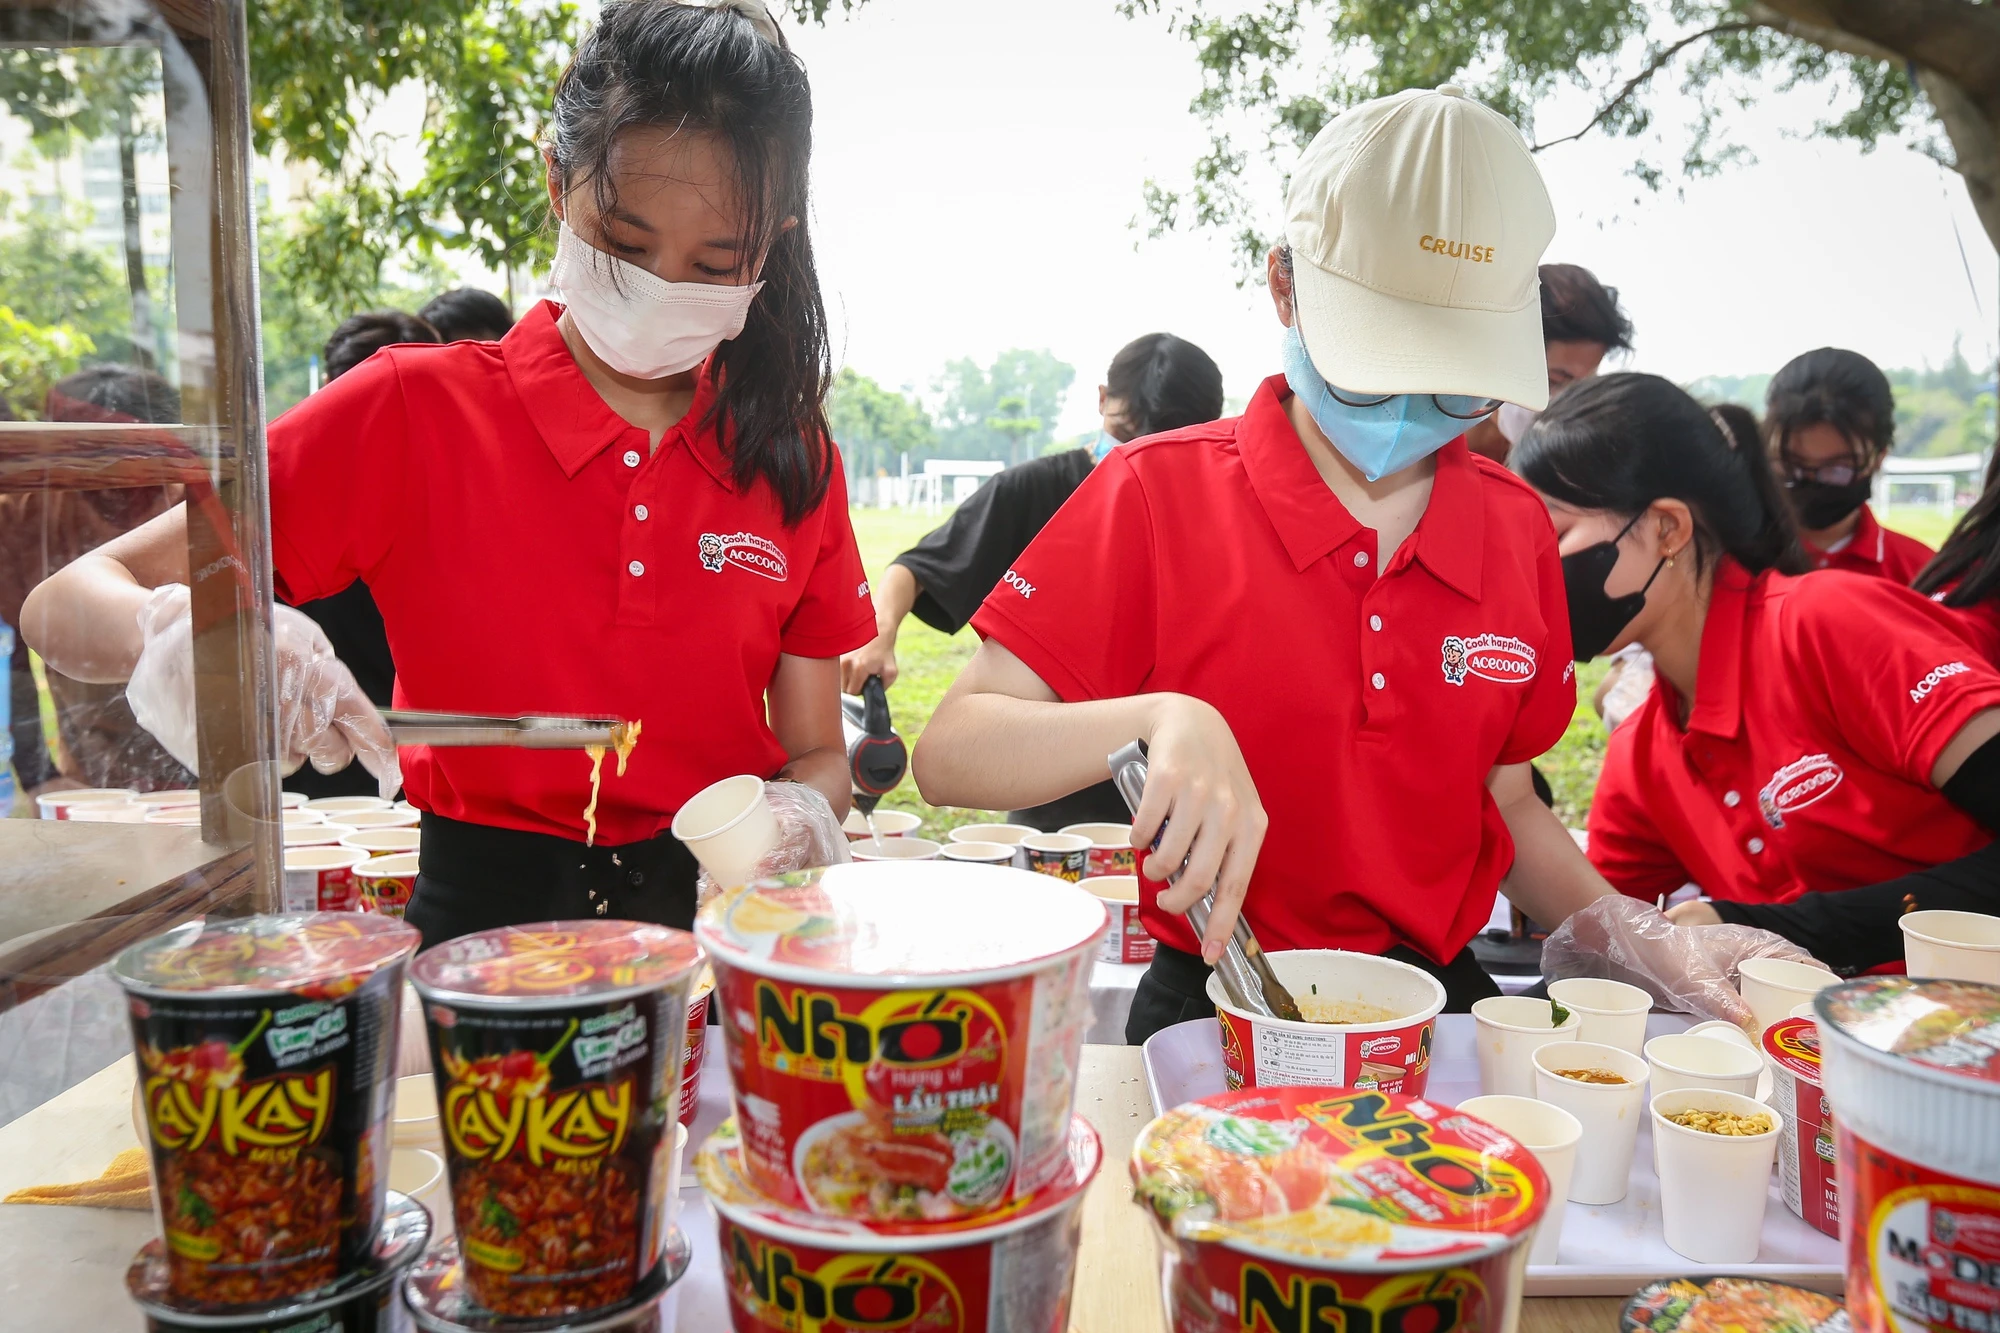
[(979, 853), (1961, 946), (1807, 1153), (303, 818), (419, 1174), (1009, 835), (982, 1276), (1551, 1134), (729, 827), (321, 879), (106, 812), (58, 804), (697, 1044), (888, 824), (340, 805), (266, 1049), (557, 1052), (1717, 1029), (889, 1063), (1064, 855), (164, 800), (1127, 940), (1294, 1208), (1713, 1187), (416, 1117), (1510, 1029), (1111, 849), (292, 800), (314, 835), (387, 883), (1610, 1113), (384, 841), (895, 849), (1391, 1009), (1682, 1061), (1614, 1014), (378, 819), (1773, 987), (180, 816)]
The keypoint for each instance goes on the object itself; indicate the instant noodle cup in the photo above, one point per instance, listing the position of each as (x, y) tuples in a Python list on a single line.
[(369, 1300), (980, 853), (557, 1053), (1738, 1304), (1007, 835), (163, 800), (388, 882), (1913, 1069), (340, 805), (440, 1300), (321, 879), (1063, 855), (266, 1048), (1288, 1208), (1961, 946), (1373, 1023), (697, 1044), (891, 1063), (292, 800), (183, 816), (787, 1271), (384, 841), (58, 804), (1807, 1172), (379, 819), (301, 818), (314, 835), (895, 849), (1111, 849), (1127, 940), (886, 824)]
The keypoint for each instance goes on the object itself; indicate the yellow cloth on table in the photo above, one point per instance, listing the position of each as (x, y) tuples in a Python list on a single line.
[(124, 1184)]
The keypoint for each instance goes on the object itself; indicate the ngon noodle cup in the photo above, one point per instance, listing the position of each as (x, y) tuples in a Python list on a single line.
[(787, 1271), (557, 1052), (266, 1050), (1289, 1208), (899, 1050), (1372, 1023)]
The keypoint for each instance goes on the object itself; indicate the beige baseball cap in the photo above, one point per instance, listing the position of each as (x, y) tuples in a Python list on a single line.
[(1416, 224)]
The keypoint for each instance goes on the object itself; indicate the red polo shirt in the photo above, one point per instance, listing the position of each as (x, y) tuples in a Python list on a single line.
[(1979, 622), (1821, 706), (530, 556), (1873, 549), (1370, 703)]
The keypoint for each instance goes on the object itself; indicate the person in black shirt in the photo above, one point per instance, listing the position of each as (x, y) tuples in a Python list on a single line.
[(1155, 383)]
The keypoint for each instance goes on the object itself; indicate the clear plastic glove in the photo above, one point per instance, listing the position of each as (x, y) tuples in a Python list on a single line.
[(1691, 969), (322, 714), (808, 835)]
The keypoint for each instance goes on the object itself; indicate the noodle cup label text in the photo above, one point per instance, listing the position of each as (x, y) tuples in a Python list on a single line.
[(1211, 1289), (1256, 1054), (1923, 1247)]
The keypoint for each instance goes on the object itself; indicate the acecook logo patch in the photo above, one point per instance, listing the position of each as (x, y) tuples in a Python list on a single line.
[(745, 550), (1796, 786), (1494, 657)]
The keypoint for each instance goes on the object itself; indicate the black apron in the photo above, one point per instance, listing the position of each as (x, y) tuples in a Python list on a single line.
[(1174, 988), (473, 877)]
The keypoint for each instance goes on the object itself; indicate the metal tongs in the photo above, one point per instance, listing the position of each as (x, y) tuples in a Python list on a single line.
[(529, 733), (1246, 973)]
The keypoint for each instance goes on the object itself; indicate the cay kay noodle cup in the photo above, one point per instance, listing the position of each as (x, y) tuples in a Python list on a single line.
[(891, 1063), (266, 1050), (1713, 1186), (1568, 1074), (1613, 1013), (1511, 1028), (1373, 1024), (1551, 1134), (1063, 855), (787, 1271), (321, 879), (1279, 1206), (557, 1051), (729, 827), (1111, 849), (1127, 940), (387, 882), (1962, 946)]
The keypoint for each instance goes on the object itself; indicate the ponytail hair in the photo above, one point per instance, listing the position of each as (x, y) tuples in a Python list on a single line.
[(723, 70), (1619, 442), (1970, 557)]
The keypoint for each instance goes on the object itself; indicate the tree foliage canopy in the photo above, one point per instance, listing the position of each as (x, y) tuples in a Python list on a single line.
[(875, 426), (1001, 411)]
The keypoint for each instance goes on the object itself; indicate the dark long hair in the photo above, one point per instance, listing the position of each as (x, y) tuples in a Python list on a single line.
[(1619, 442), (1970, 557), (1576, 307), (718, 71), (1835, 387), (1165, 383)]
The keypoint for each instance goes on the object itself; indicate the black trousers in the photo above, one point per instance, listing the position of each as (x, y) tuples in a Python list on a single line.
[(1173, 989), (472, 877)]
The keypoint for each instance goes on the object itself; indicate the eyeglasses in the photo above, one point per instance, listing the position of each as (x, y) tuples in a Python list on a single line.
[(1826, 474), (1457, 406)]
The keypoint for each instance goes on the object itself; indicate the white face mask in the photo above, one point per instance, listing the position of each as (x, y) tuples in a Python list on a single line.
[(1514, 420), (638, 324)]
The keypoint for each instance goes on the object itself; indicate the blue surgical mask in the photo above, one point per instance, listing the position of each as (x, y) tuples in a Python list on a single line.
[(1387, 437), (1103, 445)]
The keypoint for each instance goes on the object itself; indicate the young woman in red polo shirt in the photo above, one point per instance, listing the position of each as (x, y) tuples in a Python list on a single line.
[(627, 506), (1804, 735)]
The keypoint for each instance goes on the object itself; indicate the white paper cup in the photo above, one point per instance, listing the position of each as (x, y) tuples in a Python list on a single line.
[(1552, 1135), (372, 819), (1805, 1011), (340, 805), (321, 879), (1011, 834), (419, 1173), (1511, 1028), (384, 841), (314, 835), (161, 800), (888, 824), (302, 818), (57, 804), (1614, 1014), (1063, 855), (1610, 1113), (896, 849), (106, 812), (1717, 1029), (1682, 1061), (729, 827), (982, 853), (1111, 849), (1954, 946), (387, 883), (1773, 987), (1713, 1187), (416, 1122), (292, 800), (185, 816), (1127, 940)]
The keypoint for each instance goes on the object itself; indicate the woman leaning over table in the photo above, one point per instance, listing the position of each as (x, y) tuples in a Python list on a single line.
[(1804, 735), (628, 506)]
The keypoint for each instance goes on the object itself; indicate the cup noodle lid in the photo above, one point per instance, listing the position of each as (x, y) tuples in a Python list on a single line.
[(1328, 1177), (719, 1167), (956, 922), (554, 961), (324, 953), (1942, 1027)]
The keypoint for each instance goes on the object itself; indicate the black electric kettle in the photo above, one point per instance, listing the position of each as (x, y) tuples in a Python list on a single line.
[(876, 755)]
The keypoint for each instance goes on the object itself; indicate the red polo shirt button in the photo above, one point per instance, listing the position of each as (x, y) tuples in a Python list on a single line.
[(637, 568), (640, 512), (632, 458)]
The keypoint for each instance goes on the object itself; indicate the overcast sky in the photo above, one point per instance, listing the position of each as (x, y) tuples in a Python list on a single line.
[(978, 166)]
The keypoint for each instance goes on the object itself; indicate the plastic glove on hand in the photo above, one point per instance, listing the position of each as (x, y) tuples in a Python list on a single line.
[(808, 835)]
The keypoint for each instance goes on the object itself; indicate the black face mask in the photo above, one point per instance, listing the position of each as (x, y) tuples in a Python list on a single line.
[(1595, 617), (1819, 505)]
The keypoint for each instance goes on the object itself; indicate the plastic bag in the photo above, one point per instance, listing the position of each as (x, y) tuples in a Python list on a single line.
[(1691, 969), (322, 714), (808, 835)]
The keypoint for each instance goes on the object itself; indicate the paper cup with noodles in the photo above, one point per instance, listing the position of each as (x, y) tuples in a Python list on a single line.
[(1715, 1152), (1605, 1089)]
